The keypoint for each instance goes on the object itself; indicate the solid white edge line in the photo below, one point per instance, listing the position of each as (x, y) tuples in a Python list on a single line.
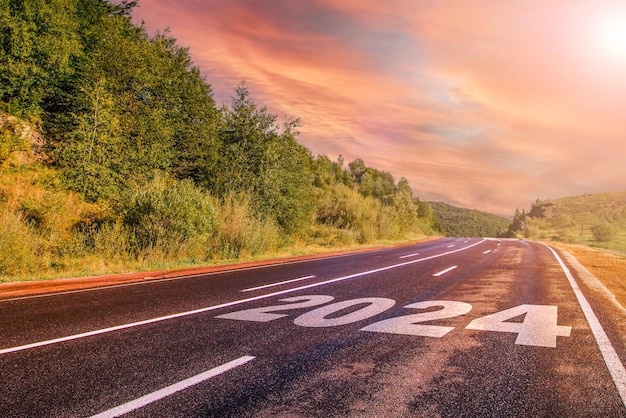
[(276, 284), (170, 390), (225, 305), (442, 272), (612, 360)]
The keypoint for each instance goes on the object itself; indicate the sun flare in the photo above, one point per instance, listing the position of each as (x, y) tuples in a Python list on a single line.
[(611, 35)]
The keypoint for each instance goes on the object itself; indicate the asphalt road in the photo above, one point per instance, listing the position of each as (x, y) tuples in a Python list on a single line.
[(451, 328)]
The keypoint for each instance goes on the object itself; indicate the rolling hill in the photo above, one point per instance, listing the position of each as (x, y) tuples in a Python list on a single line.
[(597, 220), (461, 222)]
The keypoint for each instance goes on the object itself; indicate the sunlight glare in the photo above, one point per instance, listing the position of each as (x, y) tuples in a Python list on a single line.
[(611, 36)]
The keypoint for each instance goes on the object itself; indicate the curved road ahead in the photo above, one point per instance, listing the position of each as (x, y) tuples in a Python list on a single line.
[(452, 328)]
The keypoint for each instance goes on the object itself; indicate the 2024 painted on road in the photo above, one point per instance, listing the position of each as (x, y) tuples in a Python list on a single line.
[(539, 328)]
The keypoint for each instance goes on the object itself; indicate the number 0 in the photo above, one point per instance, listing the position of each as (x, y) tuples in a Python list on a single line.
[(265, 314), (318, 317)]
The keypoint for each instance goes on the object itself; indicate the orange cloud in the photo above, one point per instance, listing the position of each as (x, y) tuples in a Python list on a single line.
[(486, 104)]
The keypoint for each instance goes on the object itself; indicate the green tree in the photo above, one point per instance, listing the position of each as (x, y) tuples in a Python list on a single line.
[(259, 158), (93, 161), (196, 139), (37, 44), (245, 132), (283, 195), (405, 211), (371, 182), (160, 111), (327, 172)]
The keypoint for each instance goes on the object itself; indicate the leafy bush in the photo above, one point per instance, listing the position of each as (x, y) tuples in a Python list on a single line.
[(344, 208), (9, 142), (241, 231), (603, 232), (329, 236), (166, 213), (537, 228)]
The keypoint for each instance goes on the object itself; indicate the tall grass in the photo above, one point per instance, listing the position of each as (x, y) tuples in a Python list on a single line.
[(240, 232), (21, 250), (164, 222)]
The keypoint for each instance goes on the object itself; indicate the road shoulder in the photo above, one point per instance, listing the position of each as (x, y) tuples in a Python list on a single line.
[(599, 270)]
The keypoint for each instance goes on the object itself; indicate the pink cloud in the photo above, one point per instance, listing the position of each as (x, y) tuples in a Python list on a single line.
[(487, 104)]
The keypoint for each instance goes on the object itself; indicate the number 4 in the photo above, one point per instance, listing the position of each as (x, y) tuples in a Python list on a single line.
[(539, 327)]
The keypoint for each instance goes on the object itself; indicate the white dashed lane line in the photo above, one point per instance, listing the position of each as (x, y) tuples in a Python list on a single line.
[(276, 284), (409, 255), (172, 389), (442, 272)]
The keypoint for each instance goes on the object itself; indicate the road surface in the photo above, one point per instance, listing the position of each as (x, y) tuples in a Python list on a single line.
[(451, 328)]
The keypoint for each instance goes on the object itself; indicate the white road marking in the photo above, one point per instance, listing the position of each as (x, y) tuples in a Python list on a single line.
[(318, 317), (411, 324), (276, 284), (612, 360), (268, 313), (486, 252), (442, 272), (539, 328), (409, 255), (450, 246), (170, 390), (224, 305)]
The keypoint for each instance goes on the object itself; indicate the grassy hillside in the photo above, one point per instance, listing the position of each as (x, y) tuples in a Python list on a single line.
[(597, 220), (460, 222)]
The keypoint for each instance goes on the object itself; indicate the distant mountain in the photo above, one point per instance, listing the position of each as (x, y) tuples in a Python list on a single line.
[(461, 222), (597, 219)]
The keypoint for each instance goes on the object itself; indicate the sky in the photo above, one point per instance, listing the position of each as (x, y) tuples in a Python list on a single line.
[(483, 104)]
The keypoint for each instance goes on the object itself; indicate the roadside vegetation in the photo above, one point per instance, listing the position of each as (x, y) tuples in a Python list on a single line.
[(115, 157), (595, 220)]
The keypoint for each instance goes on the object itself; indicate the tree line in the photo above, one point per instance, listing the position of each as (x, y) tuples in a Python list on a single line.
[(130, 126)]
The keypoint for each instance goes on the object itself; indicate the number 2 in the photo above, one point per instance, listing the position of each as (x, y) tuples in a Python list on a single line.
[(409, 324), (264, 314)]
